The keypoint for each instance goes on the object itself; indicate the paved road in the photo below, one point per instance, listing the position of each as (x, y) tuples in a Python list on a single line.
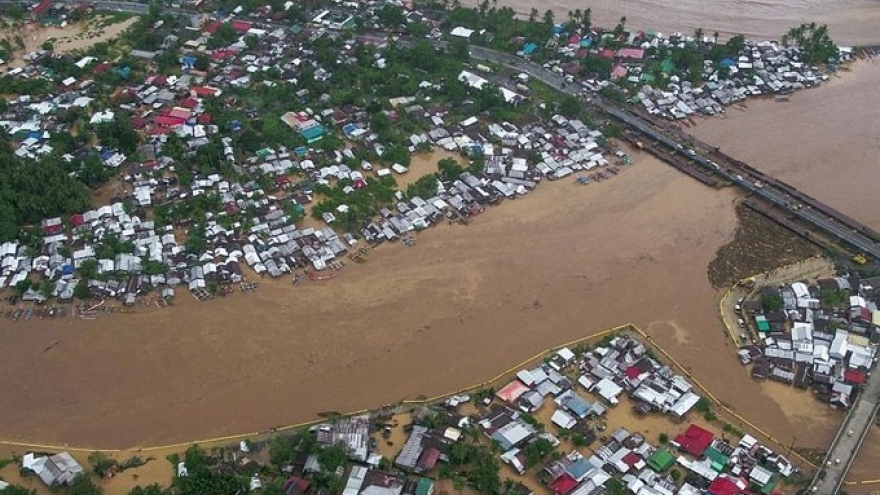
[(829, 479)]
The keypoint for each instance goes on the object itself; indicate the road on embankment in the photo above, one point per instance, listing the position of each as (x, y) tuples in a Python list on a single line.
[(830, 476)]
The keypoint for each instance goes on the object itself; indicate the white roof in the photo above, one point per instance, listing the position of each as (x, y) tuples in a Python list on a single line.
[(563, 420), (461, 32)]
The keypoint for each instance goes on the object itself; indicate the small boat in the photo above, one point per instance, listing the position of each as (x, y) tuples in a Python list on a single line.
[(29, 313)]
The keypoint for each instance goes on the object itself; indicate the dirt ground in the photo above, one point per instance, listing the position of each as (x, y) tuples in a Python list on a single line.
[(759, 245), (71, 37)]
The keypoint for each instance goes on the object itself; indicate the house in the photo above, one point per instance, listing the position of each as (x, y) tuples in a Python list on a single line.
[(55, 470), (661, 460), (295, 486), (695, 440), (424, 487), (511, 392)]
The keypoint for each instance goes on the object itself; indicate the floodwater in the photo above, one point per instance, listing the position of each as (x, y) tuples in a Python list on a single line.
[(851, 22), (823, 141), (461, 306)]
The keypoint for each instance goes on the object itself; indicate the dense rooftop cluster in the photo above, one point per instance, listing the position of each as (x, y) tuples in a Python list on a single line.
[(819, 335)]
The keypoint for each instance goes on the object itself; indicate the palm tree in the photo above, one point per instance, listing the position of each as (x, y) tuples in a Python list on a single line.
[(698, 34)]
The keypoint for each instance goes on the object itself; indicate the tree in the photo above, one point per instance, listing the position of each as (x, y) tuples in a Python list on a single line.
[(83, 485), (537, 451), (772, 301), (736, 44), (587, 19), (816, 45), (202, 62), (549, 18), (449, 169), (48, 46), (391, 16), (282, 450), (664, 438), (152, 489), (333, 457)]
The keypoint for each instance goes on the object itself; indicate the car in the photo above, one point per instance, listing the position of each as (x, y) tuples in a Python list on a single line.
[(741, 323), (738, 306)]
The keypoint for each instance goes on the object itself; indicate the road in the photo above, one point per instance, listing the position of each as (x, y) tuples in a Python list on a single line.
[(830, 477)]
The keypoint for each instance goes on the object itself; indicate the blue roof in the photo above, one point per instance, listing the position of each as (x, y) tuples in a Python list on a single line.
[(580, 468), (189, 59), (348, 129), (728, 62), (529, 48), (301, 151), (312, 133), (557, 28), (498, 437), (67, 269), (578, 405), (586, 42), (106, 154)]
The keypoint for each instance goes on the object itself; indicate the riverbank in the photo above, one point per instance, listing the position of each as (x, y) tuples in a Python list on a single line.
[(568, 261), (852, 22), (823, 141)]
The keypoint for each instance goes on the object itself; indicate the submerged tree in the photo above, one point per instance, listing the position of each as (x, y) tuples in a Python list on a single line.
[(815, 43)]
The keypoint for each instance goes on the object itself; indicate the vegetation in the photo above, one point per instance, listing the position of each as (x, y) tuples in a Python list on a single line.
[(772, 301), (537, 451), (664, 438), (815, 43)]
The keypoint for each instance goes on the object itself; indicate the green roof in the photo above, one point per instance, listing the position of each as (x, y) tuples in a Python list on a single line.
[(661, 460), (763, 324), (667, 66), (424, 486), (313, 133), (766, 489), (648, 77), (719, 461)]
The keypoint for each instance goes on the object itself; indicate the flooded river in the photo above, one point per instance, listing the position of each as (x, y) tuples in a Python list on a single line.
[(850, 21)]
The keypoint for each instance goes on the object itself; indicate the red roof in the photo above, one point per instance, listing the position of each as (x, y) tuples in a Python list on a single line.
[(41, 7), (180, 113), (241, 26), (723, 486), (101, 68), (695, 440), (52, 229), (563, 485), (512, 391), (631, 459), (168, 121), (76, 220), (854, 377), (210, 28), (606, 53), (295, 485), (632, 372), (282, 180), (634, 53), (429, 458), (189, 103), (205, 118), (203, 91), (222, 54)]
